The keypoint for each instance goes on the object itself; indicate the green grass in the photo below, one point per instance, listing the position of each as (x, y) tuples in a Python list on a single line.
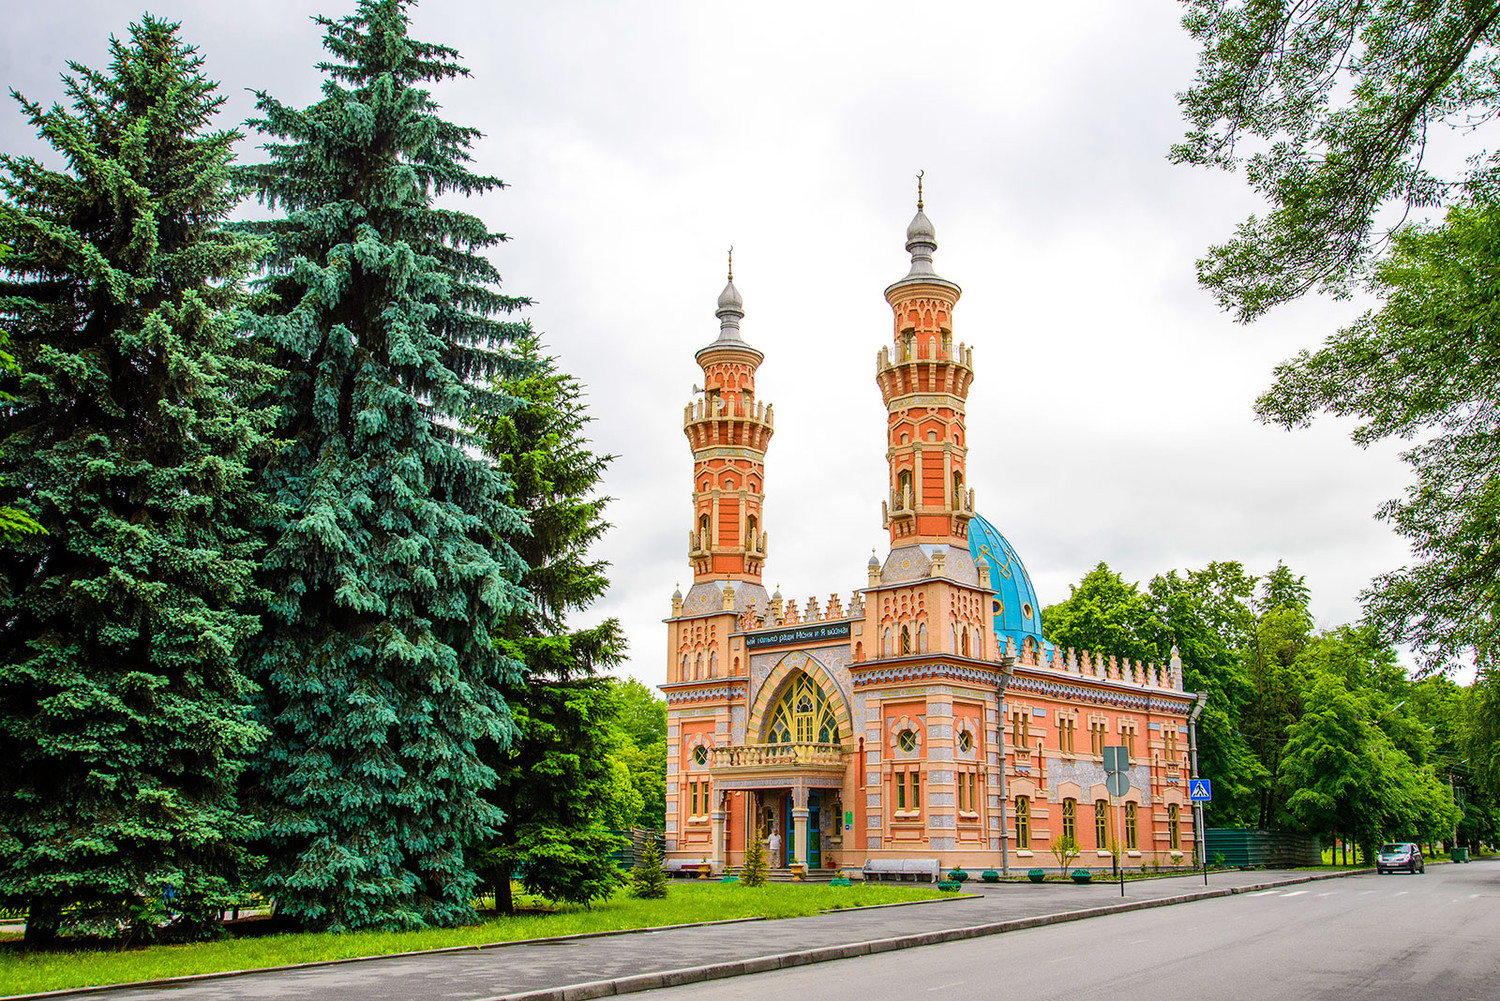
[(23, 972)]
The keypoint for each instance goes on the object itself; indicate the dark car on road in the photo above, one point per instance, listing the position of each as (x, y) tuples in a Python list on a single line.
[(1399, 855)]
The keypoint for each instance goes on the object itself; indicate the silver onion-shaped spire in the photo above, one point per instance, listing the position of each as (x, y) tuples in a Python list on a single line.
[(731, 307)]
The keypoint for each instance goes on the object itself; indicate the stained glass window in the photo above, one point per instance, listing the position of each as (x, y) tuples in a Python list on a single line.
[(803, 715)]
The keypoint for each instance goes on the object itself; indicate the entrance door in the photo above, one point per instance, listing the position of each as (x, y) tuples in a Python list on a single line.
[(814, 835)]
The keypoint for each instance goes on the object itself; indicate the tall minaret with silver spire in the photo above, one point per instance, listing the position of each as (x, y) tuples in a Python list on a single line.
[(728, 430), (924, 380)]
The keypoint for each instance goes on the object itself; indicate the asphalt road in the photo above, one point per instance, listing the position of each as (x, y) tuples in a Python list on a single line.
[(1372, 938)]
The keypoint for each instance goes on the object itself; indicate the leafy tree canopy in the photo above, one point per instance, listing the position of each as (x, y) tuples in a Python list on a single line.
[(1426, 366), (1336, 103)]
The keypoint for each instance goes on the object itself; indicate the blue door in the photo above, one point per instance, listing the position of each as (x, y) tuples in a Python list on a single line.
[(814, 835)]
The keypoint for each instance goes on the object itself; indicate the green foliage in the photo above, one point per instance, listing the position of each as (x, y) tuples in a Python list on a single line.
[(648, 880), (122, 704), (395, 558), (14, 523), (1332, 102), (1105, 615), (567, 775), (1425, 366), (643, 719), (559, 788), (1065, 849), (757, 865), (1319, 731)]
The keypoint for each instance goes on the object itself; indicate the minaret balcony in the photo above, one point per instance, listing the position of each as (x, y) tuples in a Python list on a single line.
[(745, 760)]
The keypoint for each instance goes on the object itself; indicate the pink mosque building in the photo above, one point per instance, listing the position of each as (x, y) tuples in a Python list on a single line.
[(925, 718)]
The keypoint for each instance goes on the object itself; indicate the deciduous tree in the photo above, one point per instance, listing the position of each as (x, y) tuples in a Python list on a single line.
[(1329, 106)]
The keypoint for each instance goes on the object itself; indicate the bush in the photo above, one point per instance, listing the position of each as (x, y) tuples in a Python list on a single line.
[(958, 875), (990, 876)]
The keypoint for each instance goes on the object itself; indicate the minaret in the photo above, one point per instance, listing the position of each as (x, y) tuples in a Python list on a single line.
[(728, 431), (924, 380)]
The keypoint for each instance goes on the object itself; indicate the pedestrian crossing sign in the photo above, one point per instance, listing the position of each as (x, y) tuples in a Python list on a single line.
[(1200, 790)]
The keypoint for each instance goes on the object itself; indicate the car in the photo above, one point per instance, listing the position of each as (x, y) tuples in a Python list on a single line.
[(1399, 855)]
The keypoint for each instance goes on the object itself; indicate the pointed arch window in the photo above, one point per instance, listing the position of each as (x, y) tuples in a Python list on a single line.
[(922, 637), (803, 715), (905, 640), (713, 664)]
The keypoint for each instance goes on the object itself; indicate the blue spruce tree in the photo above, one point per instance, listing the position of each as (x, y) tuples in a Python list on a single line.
[(123, 716), (378, 671)]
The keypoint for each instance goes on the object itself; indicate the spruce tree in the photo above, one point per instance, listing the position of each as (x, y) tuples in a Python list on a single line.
[(757, 866), (378, 666), (648, 880), (123, 721), (564, 777)]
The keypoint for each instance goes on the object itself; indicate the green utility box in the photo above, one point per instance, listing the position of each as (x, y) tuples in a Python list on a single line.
[(1460, 853)]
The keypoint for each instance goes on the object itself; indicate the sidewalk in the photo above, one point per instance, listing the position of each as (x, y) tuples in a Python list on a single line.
[(574, 969)]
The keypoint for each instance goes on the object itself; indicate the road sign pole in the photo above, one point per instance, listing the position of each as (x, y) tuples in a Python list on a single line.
[(1119, 847)]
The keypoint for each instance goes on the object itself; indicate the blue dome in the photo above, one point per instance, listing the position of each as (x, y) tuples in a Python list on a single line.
[(1017, 612)]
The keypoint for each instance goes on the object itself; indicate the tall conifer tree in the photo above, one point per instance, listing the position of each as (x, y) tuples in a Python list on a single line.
[(378, 668), (122, 709), (564, 776)]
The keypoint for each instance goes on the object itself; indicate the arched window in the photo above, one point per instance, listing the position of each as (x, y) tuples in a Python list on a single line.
[(1070, 819), (703, 530), (750, 526), (885, 642), (958, 488), (922, 637), (905, 640), (903, 489), (713, 664), (802, 715), (684, 675), (964, 642), (859, 651), (1023, 822), (954, 630), (1101, 824), (1130, 838), (698, 667), (1174, 828)]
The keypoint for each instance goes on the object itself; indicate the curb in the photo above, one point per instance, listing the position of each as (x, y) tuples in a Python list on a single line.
[(788, 960)]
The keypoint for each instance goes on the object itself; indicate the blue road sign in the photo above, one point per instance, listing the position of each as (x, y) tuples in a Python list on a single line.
[(1200, 790)]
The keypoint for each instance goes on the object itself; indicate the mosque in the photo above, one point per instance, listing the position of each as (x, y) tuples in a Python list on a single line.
[(927, 719)]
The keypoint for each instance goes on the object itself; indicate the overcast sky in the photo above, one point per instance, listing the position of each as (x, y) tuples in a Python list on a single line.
[(1111, 414)]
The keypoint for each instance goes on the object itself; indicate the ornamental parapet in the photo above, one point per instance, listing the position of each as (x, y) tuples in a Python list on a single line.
[(745, 756)]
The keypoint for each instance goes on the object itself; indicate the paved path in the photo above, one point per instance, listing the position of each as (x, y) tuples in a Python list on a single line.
[(543, 967)]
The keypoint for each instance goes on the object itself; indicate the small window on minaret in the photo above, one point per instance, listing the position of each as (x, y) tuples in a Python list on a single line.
[(922, 638), (905, 640)]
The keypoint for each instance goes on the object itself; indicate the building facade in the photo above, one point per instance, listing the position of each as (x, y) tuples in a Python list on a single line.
[(927, 717)]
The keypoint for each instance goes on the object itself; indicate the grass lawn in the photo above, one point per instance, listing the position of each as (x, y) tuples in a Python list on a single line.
[(24, 972)]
